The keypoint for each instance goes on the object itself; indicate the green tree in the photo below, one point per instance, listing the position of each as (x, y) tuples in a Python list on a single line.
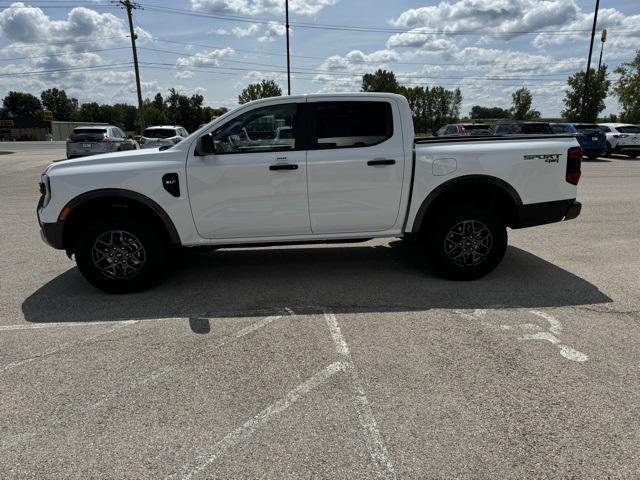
[(19, 104), (59, 104), (627, 89), (521, 101), (380, 81), (264, 89), (480, 113), (594, 98)]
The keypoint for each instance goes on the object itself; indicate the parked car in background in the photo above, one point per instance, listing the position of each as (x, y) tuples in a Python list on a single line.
[(522, 128), (591, 138), (162, 136), (622, 138), (463, 130), (93, 140)]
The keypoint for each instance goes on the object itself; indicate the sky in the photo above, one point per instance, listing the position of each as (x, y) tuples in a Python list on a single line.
[(488, 48)]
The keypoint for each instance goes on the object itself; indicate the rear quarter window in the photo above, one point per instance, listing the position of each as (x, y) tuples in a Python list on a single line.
[(630, 129), (352, 124)]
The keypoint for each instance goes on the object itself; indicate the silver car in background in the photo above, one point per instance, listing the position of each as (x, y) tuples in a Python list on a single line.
[(93, 140), (162, 136)]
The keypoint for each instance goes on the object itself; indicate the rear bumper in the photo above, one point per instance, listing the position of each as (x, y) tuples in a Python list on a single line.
[(593, 150), (547, 212)]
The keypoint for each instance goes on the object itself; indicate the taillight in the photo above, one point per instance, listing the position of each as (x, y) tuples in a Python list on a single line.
[(574, 160)]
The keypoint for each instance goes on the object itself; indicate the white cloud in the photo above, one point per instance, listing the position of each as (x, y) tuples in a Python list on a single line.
[(272, 31), (623, 38), (254, 7), (205, 58), (497, 16), (32, 25), (245, 32), (420, 37)]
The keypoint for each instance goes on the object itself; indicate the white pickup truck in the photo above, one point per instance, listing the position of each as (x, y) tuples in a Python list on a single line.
[(348, 168)]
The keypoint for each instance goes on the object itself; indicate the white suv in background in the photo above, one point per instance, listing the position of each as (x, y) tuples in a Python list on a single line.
[(622, 138), (162, 135)]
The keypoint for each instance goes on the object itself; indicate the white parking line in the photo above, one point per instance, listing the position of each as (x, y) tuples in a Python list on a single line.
[(250, 426), (53, 351), (375, 445), (170, 368)]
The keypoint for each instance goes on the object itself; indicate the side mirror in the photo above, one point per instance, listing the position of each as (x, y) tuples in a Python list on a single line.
[(206, 145)]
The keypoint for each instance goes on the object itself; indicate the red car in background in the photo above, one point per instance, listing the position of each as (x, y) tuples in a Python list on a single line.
[(463, 130)]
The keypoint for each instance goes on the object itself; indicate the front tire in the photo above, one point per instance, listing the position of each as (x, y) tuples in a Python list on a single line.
[(121, 254), (465, 242)]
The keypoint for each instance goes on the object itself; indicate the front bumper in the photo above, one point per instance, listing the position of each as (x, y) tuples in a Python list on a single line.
[(547, 212), (51, 233)]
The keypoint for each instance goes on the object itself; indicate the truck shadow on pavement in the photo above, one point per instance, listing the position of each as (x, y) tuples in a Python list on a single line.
[(359, 278)]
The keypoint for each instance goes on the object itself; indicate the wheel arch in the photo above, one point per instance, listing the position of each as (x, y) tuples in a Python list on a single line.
[(484, 188), (106, 200)]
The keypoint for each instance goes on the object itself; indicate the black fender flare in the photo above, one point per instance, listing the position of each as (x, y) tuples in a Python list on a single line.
[(124, 194), (459, 181)]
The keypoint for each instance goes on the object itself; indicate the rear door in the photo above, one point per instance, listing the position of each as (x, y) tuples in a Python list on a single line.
[(629, 137), (256, 184), (355, 164)]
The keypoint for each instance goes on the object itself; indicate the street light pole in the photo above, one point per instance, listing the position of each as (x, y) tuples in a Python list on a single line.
[(286, 9), (602, 40), (586, 76)]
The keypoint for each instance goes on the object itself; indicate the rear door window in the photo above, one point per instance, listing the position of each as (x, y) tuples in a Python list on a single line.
[(351, 124)]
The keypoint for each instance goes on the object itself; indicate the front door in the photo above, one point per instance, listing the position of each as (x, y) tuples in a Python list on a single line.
[(256, 183)]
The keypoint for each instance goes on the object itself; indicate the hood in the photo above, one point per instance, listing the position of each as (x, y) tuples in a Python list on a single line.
[(117, 159)]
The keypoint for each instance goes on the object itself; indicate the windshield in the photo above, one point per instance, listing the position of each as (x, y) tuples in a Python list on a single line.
[(94, 131), (159, 133)]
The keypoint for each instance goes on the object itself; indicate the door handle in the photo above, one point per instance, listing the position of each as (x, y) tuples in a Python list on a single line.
[(283, 166), (381, 161)]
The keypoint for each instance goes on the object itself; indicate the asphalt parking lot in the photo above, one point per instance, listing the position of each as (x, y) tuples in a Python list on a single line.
[(327, 361)]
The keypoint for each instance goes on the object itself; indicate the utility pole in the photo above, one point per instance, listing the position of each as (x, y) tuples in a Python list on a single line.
[(130, 6), (286, 10), (586, 76), (603, 39)]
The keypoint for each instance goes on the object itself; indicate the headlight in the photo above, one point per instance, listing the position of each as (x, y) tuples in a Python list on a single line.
[(45, 189)]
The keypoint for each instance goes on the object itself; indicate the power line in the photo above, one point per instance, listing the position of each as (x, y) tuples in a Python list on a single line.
[(416, 82), (60, 54), (218, 69), (363, 62), (63, 70), (239, 18), (320, 71)]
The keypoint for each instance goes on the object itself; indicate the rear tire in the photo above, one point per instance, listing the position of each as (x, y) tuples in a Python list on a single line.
[(609, 150), (121, 254), (465, 242)]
